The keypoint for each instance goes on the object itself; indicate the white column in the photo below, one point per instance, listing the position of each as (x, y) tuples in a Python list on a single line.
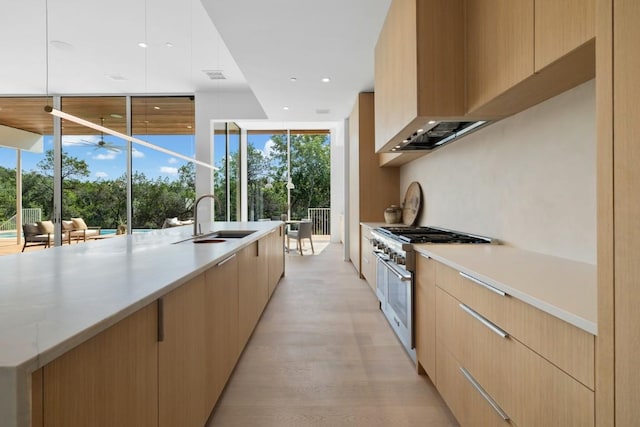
[(18, 196), (339, 188), (204, 152), (244, 200)]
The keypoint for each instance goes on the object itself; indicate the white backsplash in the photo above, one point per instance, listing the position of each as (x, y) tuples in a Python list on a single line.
[(528, 180)]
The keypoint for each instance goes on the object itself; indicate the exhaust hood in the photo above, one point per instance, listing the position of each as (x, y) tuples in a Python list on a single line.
[(436, 134)]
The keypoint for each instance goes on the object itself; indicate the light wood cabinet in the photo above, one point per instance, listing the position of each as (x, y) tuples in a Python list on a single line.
[(425, 312), (465, 401), (522, 52), (560, 27), (499, 47), (222, 346), (617, 92), (276, 258), (419, 67), (527, 388), (109, 380), (564, 345), (372, 189), (181, 357), (368, 268), (253, 286)]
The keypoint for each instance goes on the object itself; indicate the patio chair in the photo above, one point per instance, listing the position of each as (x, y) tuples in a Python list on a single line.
[(80, 231), (303, 232), (33, 236)]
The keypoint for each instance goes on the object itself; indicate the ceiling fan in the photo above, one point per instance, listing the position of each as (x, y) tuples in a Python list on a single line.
[(102, 143)]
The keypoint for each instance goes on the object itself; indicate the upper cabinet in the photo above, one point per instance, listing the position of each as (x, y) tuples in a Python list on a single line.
[(419, 67), (522, 52), (500, 47), (561, 26)]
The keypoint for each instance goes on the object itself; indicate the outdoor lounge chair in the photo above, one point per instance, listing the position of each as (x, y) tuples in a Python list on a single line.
[(39, 234), (78, 230)]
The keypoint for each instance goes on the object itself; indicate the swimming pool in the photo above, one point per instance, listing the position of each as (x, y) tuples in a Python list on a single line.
[(103, 231)]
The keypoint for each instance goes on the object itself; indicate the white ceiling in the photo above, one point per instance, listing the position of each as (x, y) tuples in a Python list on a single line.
[(90, 47)]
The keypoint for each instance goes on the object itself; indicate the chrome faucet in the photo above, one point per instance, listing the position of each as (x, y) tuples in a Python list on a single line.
[(197, 232)]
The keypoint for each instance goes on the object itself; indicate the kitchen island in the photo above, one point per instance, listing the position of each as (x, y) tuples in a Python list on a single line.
[(54, 300)]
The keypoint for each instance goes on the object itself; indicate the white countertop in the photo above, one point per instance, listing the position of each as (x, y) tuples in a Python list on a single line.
[(55, 299), (563, 288)]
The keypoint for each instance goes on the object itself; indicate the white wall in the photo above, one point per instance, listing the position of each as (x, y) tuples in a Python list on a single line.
[(529, 180), (337, 182)]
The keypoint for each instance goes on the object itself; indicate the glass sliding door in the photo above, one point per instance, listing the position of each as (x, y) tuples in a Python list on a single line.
[(163, 185)]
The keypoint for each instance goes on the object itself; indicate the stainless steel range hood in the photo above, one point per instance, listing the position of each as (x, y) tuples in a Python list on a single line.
[(436, 134)]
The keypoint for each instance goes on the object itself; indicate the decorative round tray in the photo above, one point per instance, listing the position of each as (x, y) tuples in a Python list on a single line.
[(411, 204)]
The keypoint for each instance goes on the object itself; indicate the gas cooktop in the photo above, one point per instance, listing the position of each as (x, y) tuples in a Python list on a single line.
[(416, 234)]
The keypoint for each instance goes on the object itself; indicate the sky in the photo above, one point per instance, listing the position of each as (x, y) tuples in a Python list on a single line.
[(107, 164)]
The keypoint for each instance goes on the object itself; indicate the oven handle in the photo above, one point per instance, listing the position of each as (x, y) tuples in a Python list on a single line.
[(400, 275)]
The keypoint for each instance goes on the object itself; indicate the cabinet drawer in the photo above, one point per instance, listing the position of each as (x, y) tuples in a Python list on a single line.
[(527, 387), (465, 401), (566, 346)]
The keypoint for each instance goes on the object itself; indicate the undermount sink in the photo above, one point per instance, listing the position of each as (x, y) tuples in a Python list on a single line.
[(218, 236)]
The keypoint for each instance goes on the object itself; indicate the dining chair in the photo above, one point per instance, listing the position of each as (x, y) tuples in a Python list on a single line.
[(303, 232)]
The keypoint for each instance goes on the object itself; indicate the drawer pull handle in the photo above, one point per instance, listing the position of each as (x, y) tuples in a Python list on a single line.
[(224, 261), (484, 285), (496, 330), (484, 394)]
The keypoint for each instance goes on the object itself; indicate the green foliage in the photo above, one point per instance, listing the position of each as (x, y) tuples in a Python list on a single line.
[(267, 178), (102, 202)]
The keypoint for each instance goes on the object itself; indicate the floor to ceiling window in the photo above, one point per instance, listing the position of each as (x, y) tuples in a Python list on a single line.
[(266, 174), (226, 178), (25, 141), (163, 184), (310, 157), (94, 181)]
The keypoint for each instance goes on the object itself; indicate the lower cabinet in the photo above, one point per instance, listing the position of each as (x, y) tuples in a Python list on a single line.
[(253, 286), (516, 382), (109, 380), (181, 356), (222, 346), (275, 255), (367, 258), (167, 363), (425, 315)]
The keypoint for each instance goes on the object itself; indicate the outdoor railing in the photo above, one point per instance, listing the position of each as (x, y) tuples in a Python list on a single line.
[(321, 220), (28, 215)]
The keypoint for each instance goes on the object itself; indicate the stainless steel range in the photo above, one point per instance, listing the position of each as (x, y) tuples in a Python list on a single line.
[(395, 272)]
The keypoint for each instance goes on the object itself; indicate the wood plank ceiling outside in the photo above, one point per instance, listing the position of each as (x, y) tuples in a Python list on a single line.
[(174, 115)]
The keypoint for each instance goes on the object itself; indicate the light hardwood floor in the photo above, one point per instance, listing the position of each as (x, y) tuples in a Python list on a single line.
[(323, 355)]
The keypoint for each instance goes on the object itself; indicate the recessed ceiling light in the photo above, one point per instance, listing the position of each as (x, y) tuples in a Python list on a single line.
[(142, 44), (169, 44), (59, 44), (116, 77), (115, 116), (431, 122), (420, 130), (189, 127), (293, 79), (156, 107), (285, 108), (326, 80)]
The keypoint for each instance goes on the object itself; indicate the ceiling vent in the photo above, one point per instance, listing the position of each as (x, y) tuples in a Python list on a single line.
[(214, 74), (323, 111)]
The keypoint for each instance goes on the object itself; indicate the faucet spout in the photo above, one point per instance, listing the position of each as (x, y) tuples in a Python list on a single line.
[(195, 212)]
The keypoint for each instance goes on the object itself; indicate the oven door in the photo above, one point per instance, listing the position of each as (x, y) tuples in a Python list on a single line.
[(382, 279), (398, 303)]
